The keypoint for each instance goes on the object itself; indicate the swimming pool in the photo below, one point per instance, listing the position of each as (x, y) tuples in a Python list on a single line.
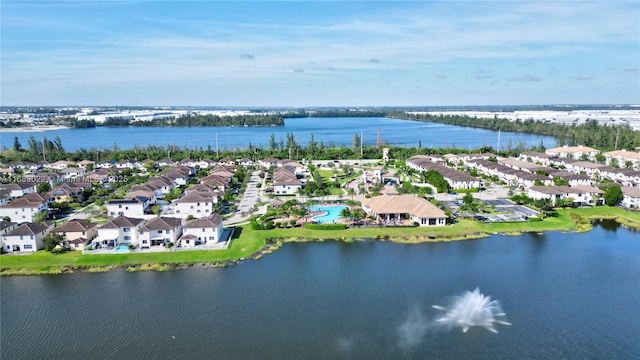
[(122, 248), (333, 213)]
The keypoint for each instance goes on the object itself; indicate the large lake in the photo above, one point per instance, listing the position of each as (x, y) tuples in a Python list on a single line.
[(568, 296), (335, 130)]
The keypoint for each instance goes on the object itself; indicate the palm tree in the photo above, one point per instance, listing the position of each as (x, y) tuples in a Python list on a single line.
[(358, 214), (345, 213)]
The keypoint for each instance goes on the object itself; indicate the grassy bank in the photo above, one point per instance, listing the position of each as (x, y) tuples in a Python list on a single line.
[(247, 242), (43, 262)]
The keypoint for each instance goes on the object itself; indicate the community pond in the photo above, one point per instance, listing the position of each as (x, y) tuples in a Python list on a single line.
[(565, 295)]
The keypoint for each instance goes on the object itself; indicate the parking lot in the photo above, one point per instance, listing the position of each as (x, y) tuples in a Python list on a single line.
[(502, 210)]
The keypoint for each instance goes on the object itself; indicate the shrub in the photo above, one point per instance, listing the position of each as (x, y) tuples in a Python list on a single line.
[(325, 226), (255, 225)]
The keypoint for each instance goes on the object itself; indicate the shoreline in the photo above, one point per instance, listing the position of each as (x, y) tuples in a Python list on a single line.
[(254, 244), (34, 128)]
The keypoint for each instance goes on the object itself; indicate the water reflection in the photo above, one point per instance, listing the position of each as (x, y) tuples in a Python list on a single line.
[(342, 300), (608, 225)]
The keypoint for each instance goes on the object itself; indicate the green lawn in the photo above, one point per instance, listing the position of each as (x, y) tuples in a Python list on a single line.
[(248, 241), (243, 246)]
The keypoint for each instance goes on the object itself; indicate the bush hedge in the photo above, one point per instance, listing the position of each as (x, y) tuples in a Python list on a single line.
[(325, 226)]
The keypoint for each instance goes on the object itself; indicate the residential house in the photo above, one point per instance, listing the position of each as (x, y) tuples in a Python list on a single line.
[(204, 231), (126, 164), (22, 209), (149, 197), (127, 207), (78, 233), (85, 163), (19, 189), (574, 152), (244, 162), (59, 165), (166, 162), (188, 162), (6, 226), (196, 204), (6, 172), (5, 196), (285, 181), (148, 188), (105, 164), (572, 178), (165, 184), (177, 177), (26, 237), (456, 179), (268, 162), (580, 195), (390, 209), (67, 192), (227, 162), (25, 166), (72, 172), (625, 177), (536, 157), (623, 159), (119, 231), (220, 182), (631, 197), (286, 187), (183, 169), (159, 232)]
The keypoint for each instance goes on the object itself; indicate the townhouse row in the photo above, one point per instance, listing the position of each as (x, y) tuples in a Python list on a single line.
[(121, 231)]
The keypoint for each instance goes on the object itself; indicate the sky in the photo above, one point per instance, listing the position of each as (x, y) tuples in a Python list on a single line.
[(319, 53)]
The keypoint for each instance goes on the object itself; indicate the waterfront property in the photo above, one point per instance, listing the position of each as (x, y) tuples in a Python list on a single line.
[(579, 195), (159, 231), (26, 237), (78, 233), (121, 230), (204, 231), (391, 209)]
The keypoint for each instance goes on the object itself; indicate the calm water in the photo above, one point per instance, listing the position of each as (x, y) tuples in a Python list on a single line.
[(336, 130), (567, 296)]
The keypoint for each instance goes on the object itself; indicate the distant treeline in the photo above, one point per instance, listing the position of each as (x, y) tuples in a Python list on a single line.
[(283, 149), (590, 133), (188, 120), (336, 113), (604, 137)]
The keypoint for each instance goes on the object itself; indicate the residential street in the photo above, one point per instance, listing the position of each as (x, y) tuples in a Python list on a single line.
[(248, 201)]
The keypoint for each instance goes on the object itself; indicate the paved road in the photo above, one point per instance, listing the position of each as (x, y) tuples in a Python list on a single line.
[(248, 201)]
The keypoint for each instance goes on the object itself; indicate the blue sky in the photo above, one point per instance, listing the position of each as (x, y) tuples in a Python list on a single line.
[(310, 53)]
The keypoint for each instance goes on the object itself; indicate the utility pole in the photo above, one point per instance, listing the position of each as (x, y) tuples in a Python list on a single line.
[(498, 149), (217, 151), (361, 140), (44, 157), (615, 147)]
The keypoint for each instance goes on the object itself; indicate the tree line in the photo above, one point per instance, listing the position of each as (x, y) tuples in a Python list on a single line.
[(187, 120), (591, 133)]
